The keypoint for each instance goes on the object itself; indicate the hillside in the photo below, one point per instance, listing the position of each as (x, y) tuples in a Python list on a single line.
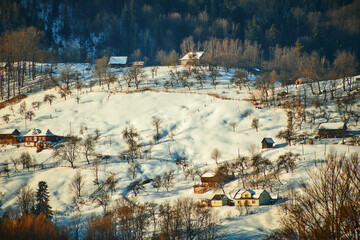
[(194, 121)]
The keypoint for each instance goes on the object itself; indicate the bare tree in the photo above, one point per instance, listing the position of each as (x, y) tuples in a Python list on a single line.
[(131, 137), (328, 207), (156, 121), (49, 98), (157, 182), (101, 68), (167, 180), (255, 123), (6, 118), (77, 184), (69, 152), (135, 187), (133, 170), (25, 199), (233, 125), (215, 155)]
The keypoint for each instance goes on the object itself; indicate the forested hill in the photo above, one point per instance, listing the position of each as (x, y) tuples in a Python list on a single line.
[(79, 29)]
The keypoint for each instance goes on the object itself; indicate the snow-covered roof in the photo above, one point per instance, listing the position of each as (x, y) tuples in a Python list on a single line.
[(193, 55), (208, 174), (333, 125), (13, 132), (38, 132), (268, 140), (254, 193), (118, 60)]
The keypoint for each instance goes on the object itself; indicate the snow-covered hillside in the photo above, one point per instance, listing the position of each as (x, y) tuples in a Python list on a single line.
[(193, 122)]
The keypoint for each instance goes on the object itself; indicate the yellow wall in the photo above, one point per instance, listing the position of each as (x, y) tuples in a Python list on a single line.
[(216, 203), (241, 202)]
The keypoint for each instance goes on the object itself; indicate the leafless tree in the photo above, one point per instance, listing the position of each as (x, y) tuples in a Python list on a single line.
[(49, 98), (77, 184), (168, 180), (69, 152), (25, 199), (6, 118), (233, 125), (133, 170), (255, 123), (156, 121), (215, 155)]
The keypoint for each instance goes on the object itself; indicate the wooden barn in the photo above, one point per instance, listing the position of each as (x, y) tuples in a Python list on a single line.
[(10, 137), (332, 130), (138, 64), (118, 62), (40, 139), (267, 143), (192, 58)]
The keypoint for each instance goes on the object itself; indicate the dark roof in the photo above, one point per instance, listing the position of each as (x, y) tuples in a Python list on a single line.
[(219, 197), (268, 140)]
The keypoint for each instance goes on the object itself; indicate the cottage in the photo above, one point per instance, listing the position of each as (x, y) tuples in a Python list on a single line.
[(253, 198), (40, 139), (332, 130), (267, 143), (10, 137), (117, 62), (192, 58), (208, 180), (138, 64), (220, 200)]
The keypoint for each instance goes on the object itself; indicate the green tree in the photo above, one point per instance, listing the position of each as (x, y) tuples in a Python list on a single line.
[(42, 200)]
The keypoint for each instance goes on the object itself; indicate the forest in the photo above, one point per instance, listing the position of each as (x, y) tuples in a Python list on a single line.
[(81, 31)]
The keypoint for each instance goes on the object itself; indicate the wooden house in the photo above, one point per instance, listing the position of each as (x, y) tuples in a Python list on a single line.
[(332, 130), (138, 64), (220, 200), (11, 137), (40, 139), (192, 58), (253, 198), (208, 182), (117, 62), (267, 143)]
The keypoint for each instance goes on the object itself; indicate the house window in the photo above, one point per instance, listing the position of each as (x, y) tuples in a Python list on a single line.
[(35, 139), (253, 202), (44, 138)]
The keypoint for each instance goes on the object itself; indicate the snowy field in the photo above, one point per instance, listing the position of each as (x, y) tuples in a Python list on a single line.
[(199, 121)]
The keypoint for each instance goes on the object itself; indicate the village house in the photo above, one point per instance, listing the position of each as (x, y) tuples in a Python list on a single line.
[(192, 58), (332, 130), (220, 200), (207, 182), (118, 62), (10, 137), (267, 143), (138, 64), (253, 198), (40, 139)]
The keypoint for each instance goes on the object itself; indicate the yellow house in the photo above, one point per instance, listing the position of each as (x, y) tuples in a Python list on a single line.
[(220, 200), (253, 198)]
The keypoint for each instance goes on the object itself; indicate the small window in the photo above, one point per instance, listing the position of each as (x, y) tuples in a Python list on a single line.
[(253, 202)]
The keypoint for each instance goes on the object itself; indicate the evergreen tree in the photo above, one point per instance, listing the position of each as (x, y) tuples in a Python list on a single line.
[(42, 200)]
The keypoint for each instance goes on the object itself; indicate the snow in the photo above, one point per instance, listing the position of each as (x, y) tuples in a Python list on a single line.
[(193, 55), (333, 125), (200, 120)]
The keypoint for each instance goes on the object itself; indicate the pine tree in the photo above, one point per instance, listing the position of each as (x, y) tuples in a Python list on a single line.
[(42, 200)]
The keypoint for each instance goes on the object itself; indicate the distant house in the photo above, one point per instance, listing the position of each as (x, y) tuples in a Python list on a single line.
[(332, 130), (118, 62), (192, 58), (207, 182), (10, 137), (40, 139), (267, 143), (138, 64), (253, 198), (220, 200)]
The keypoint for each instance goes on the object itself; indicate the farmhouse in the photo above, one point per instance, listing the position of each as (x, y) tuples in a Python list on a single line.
[(253, 198), (332, 130), (138, 64), (40, 139), (207, 182), (220, 200), (117, 62), (192, 58), (10, 137), (267, 143)]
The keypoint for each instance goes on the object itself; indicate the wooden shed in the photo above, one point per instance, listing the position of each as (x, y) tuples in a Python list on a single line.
[(10, 137), (267, 143)]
